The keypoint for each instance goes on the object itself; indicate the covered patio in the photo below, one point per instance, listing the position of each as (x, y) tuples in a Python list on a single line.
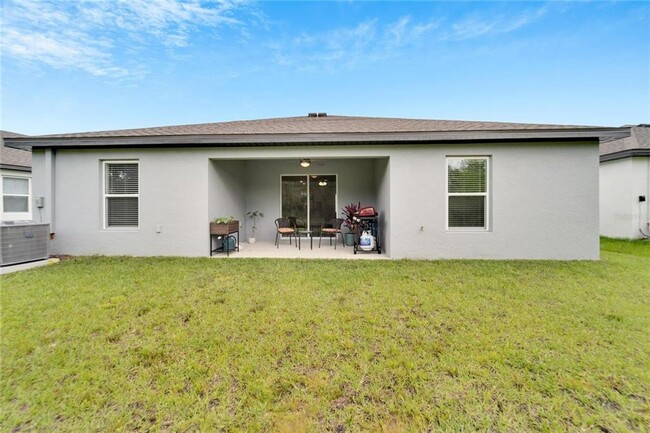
[(283, 187)]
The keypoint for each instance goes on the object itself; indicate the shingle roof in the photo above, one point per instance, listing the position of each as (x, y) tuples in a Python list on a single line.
[(320, 130), (13, 158), (9, 134), (638, 139), (317, 125)]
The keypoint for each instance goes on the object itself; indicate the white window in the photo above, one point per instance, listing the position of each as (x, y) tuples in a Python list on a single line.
[(121, 194), (467, 192), (16, 202)]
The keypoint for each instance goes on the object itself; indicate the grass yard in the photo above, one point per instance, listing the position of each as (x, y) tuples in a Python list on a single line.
[(637, 247), (172, 344)]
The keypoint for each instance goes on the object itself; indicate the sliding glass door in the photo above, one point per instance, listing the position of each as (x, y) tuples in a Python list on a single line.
[(311, 198)]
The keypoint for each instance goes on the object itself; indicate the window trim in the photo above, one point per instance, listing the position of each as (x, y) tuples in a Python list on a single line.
[(485, 194), (16, 216), (106, 196)]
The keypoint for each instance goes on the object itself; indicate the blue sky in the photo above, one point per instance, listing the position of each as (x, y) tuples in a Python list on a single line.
[(93, 65)]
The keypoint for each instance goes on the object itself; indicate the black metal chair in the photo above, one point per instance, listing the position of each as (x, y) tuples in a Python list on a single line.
[(284, 227), (298, 223), (331, 229), (302, 230)]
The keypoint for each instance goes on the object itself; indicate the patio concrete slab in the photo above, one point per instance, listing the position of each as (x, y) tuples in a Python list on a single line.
[(286, 251), (24, 266)]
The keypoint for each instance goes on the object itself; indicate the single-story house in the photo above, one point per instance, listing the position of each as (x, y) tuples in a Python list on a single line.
[(15, 181), (625, 184), (443, 189)]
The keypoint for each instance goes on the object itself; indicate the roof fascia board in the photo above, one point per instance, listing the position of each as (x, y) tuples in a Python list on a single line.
[(15, 167), (628, 153), (318, 138)]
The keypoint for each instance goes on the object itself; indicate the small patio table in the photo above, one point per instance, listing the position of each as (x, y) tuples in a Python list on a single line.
[(311, 238)]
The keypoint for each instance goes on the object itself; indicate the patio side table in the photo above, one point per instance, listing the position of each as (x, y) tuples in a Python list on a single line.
[(309, 233)]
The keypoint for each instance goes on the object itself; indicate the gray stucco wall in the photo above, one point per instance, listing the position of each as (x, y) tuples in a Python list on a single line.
[(43, 168), (173, 194), (543, 199), (382, 180), (622, 181), (227, 191)]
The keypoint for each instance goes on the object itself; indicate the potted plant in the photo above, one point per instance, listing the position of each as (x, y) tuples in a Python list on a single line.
[(224, 225), (348, 213), (254, 215)]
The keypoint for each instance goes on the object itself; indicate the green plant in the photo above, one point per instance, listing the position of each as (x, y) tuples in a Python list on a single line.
[(224, 220), (349, 212), (254, 215)]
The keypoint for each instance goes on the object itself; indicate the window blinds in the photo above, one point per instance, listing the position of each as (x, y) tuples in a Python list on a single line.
[(121, 178), (122, 211), (122, 194), (467, 175), (467, 211), (467, 192)]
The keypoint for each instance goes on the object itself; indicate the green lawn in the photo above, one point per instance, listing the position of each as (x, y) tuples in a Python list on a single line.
[(172, 344), (637, 248)]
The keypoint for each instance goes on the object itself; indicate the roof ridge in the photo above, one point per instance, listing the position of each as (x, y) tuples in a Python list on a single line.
[(316, 125)]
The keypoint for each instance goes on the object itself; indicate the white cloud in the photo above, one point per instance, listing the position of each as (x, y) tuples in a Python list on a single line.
[(346, 47), (58, 52), (85, 34), (372, 40), (402, 32), (476, 26), (110, 38)]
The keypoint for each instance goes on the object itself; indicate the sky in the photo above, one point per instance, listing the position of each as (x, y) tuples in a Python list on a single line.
[(87, 65)]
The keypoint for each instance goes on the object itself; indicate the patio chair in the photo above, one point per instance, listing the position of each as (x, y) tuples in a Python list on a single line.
[(302, 231), (284, 227), (331, 229), (298, 223)]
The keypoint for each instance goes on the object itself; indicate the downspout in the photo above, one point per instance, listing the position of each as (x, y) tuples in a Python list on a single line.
[(50, 178)]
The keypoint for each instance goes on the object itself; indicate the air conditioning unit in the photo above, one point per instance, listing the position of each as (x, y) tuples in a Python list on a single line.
[(23, 241)]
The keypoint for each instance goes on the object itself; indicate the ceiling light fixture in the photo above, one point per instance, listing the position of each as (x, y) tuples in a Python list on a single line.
[(305, 163), (322, 183)]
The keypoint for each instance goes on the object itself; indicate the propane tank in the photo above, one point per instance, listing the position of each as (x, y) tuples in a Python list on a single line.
[(366, 241)]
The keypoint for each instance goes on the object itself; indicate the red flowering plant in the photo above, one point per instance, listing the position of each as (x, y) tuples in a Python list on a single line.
[(349, 212)]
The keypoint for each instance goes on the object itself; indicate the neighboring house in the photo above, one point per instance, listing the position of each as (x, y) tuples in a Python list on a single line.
[(15, 181), (625, 184), (444, 189)]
